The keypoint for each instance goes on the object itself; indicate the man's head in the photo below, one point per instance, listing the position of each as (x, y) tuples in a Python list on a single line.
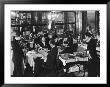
[(52, 43)]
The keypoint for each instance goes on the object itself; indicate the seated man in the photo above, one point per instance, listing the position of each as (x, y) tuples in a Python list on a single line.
[(60, 41), (43, 43), (72, 47), (38, 69)]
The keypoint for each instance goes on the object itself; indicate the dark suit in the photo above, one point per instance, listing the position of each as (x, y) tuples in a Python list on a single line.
[(51, 63), (17, 58), (94, 62), (47, 43)]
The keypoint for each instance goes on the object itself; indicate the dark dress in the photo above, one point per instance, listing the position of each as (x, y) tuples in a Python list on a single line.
[(94, 62)]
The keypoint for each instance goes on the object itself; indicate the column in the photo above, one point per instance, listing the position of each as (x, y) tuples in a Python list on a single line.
[(84, 23), (39, 21), (97, 21), (75, 33), (65, 20)]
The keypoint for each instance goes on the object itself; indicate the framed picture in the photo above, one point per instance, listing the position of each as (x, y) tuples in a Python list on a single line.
[(24, 23)]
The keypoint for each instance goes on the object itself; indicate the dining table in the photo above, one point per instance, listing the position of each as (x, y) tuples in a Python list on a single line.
[(77, 59), (32, 55), (67, 58)]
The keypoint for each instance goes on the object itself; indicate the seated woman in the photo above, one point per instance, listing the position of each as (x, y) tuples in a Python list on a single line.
[(65, 41), (42, 43)]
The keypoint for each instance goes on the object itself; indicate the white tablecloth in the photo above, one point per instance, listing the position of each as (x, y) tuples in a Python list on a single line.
[(31, 55), (64, 61), (75, 67), (85, 46)]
